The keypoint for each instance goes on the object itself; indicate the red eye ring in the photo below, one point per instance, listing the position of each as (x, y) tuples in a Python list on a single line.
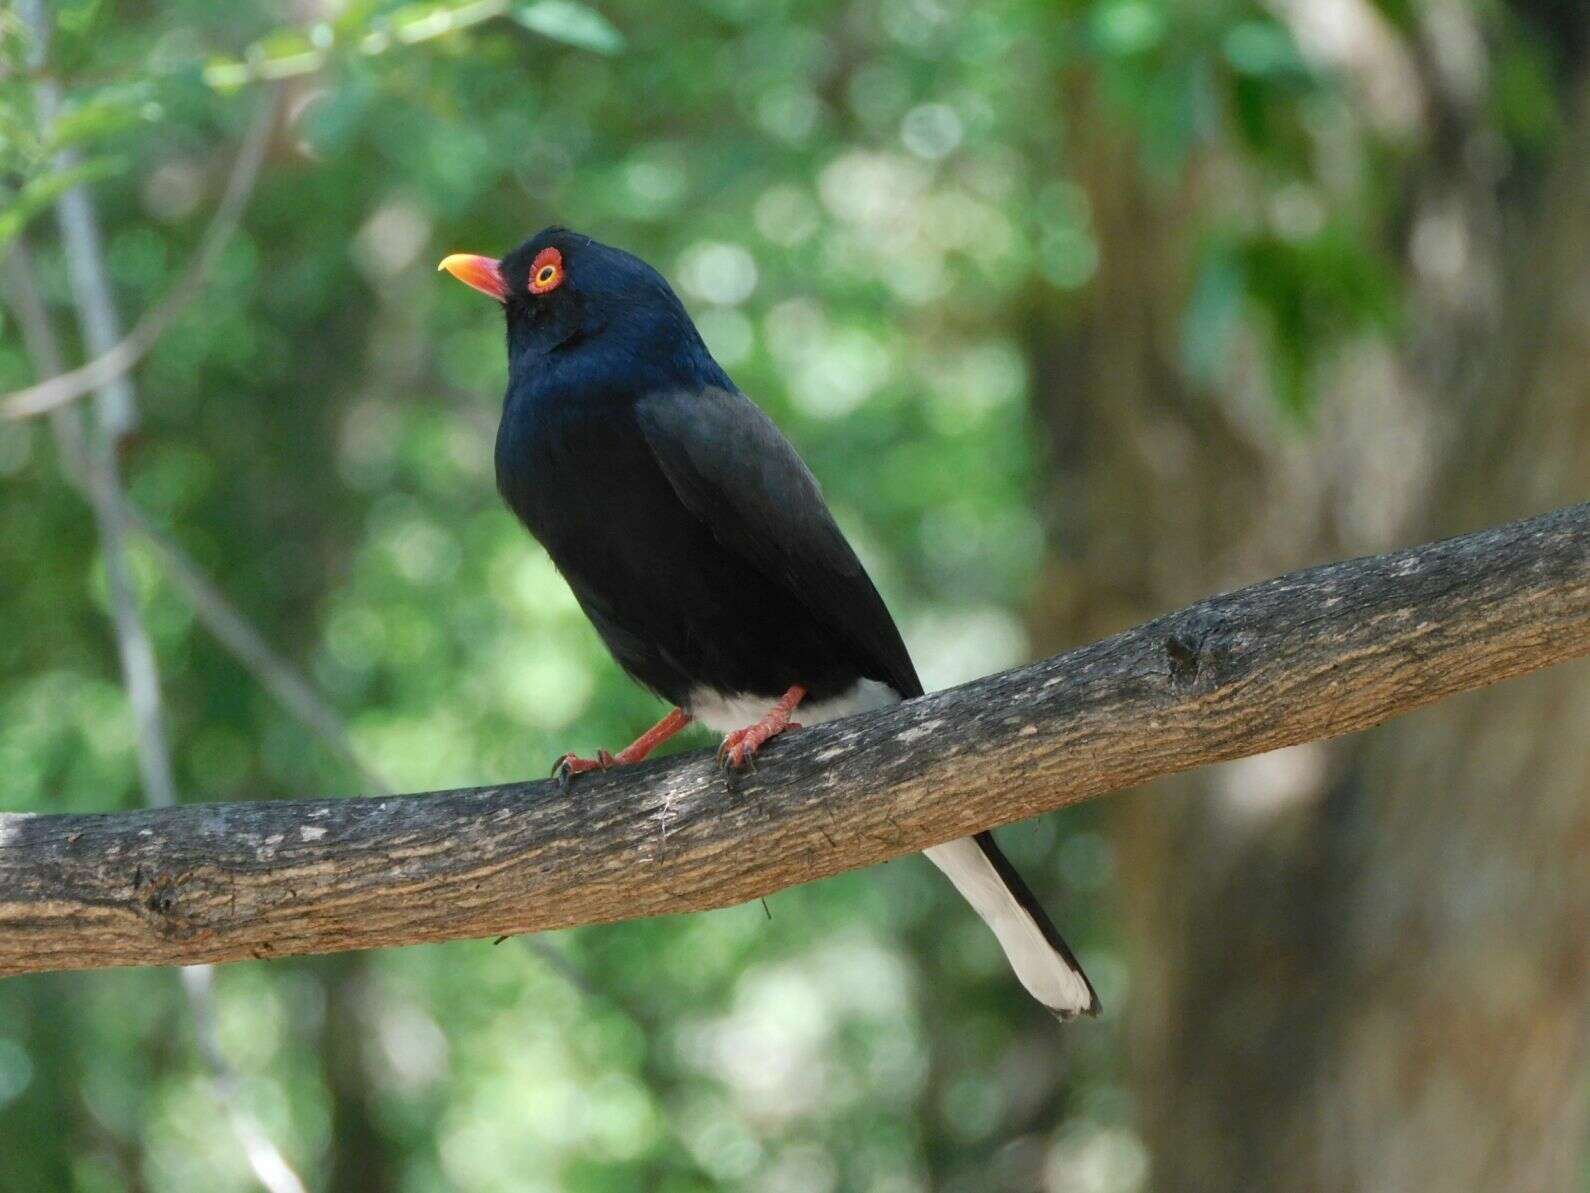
[(546, 271)]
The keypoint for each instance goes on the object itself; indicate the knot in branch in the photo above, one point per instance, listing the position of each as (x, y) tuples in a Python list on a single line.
[(1198, 650)]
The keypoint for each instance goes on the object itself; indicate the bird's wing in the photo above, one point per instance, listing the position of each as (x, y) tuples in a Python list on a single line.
[(732, 467)]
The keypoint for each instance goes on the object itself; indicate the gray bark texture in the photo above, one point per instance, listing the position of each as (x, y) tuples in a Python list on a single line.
[(1306, 656)]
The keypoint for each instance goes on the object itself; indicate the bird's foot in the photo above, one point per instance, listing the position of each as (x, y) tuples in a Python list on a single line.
[(572, 764), (569, 765), (739, 747)]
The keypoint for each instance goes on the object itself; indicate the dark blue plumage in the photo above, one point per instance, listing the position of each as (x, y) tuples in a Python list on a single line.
[(699, 544), (694, 537)]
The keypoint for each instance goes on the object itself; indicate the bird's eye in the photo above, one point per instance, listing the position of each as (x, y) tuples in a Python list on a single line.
[(546, 271)]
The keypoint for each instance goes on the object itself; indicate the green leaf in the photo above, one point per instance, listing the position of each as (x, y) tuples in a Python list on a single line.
[(1524, 98), (1213, 309), (1263, 48), (571, 23), (226, 74), (40, 192), (110, 111), (1125, 27)]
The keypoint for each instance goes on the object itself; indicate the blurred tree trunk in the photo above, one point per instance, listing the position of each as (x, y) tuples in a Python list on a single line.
[(1363, 965), (1459, 1040)]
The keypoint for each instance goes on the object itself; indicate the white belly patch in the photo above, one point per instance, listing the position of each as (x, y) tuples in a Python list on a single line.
[(725, 712)]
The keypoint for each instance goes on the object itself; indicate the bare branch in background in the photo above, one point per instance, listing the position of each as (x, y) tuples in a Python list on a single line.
[(38, 340), (215, 612), (1306, 656), (270, 1167), (109, 504), (94, 455), (114, 357), (248, 646), (115, 415)]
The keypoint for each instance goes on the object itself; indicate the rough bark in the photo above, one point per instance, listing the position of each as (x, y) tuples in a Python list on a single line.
[(1309, 655)]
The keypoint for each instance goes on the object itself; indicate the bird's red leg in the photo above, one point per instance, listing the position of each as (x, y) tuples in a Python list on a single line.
[(741, 746), (573, 764), (653, 737)]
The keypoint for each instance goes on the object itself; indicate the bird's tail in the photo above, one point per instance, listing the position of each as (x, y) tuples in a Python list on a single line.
[(1037, 953)]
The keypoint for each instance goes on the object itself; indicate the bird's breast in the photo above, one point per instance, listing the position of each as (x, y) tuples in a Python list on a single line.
[(562, 470)]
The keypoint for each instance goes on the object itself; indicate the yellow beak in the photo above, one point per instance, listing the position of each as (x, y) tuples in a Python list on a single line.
[(478, 272)]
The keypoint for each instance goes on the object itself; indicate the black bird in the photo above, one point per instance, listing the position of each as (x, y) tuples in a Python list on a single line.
[(699, 544)]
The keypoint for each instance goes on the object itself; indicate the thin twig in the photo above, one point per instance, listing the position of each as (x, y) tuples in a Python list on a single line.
[(38, 340), (113, 361), (250, 648), (270, 1167), (115, 415)]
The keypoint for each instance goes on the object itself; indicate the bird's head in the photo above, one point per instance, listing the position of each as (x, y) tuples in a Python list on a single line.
[(573, 300)]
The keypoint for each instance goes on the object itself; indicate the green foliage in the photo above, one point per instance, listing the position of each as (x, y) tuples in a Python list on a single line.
[(863, 206), (573, 24), (41, 190), (1303, 292)]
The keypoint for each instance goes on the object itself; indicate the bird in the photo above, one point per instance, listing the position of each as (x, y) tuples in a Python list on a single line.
[(699, 545)]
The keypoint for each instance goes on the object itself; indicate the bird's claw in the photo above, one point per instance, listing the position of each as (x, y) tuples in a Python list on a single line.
[(738, 749), (571, 764), (733, 754)]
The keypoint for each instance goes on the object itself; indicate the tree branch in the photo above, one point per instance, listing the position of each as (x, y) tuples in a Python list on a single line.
[(1309, 655)]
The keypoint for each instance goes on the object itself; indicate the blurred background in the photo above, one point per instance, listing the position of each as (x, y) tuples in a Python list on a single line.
[(1080, 310)]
